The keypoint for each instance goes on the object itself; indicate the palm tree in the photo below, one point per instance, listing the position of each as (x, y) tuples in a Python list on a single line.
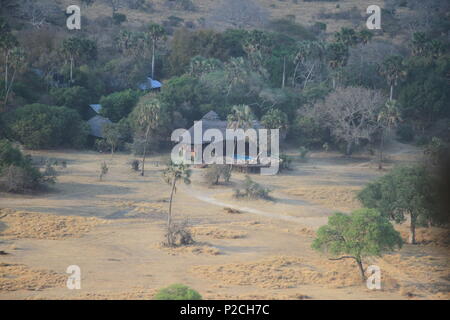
[(388, 118), (241, 117), (337, 54), (155, 33), (393, 70), (147, 116), (173, 173)]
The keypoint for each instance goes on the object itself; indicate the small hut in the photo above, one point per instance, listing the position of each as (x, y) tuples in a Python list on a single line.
[(96, 125), (211, 120)]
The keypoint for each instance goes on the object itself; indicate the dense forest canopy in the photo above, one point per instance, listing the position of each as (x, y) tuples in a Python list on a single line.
[(276, 65)]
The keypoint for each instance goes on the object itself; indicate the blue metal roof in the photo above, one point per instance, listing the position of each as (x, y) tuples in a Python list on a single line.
[(150, 84), (96, 107)]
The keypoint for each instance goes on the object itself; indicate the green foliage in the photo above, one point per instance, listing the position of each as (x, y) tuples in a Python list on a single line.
[(16, 171), (424, 94), (217, 171), (364, 233), (118, 105), (183, 94), (119, 18), (252, 190), (307, 132), (405, 132), (403, 191), (76, 98), (275, 119), (177, 171), (111, 133), (177, 292), (437, 150), (77, 48), (41, 126), (292, 29), (286, 162)]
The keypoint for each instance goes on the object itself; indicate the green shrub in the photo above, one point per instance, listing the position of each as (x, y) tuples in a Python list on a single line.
[(119, 18), (40, 126), (119, 104), (252, 190), (285, 163), (76, 98), (177, 292), (16, 171), (215, 172)]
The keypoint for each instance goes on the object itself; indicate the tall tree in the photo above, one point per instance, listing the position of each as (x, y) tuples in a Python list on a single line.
[(363, 233), (147, 119), (111, 132), (337, 55), (393, 70), (7, 44), (17, 61), (387, 119), (75, 48), (350, 114), (405, 191), (155, 33), (241, 117), (171, 175)]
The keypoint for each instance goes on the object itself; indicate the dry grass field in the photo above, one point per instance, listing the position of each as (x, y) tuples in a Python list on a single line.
[(114, 229)]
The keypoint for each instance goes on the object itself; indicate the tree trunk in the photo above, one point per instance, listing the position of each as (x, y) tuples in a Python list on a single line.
[(284, 73), (6, 71), (334, 83), (153, 60), (380, 162), (348, 151), (391, 96), (71, 70), (361, 269), (8, 89), (169, 215), (145, 151), (412, 230)]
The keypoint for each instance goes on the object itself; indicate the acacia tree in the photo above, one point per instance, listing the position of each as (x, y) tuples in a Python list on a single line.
[(363, 233), (155, 33), (387, 119), (405, 191), (350, 114), (171, 175), (147, 119)]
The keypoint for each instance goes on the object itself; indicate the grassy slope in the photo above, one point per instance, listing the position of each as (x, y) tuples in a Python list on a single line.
[(305, 12)]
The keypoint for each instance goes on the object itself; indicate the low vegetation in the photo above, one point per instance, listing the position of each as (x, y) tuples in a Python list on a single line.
[(177, 292), (252, 190)]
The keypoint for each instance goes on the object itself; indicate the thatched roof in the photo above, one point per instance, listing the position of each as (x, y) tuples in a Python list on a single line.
[(96, 125), (211, 120)]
